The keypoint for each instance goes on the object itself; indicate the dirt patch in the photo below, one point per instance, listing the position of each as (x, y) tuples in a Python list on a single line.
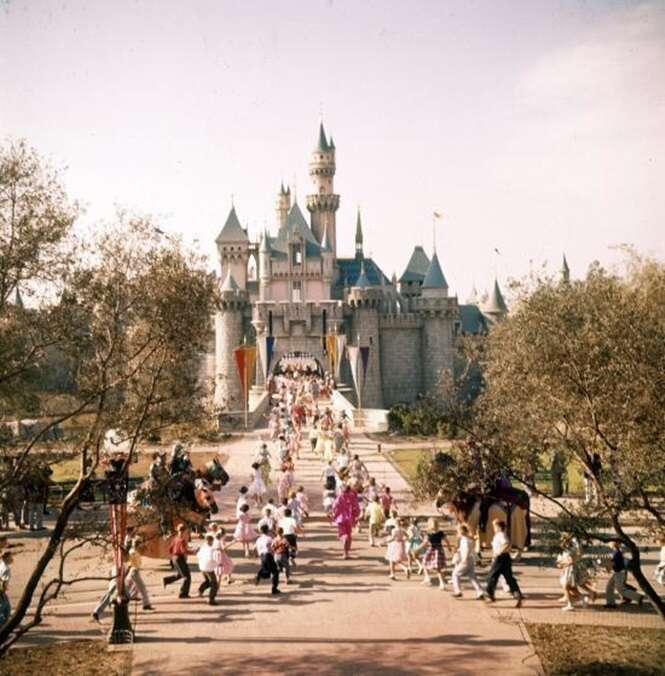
[(83, 658), (576, 650)]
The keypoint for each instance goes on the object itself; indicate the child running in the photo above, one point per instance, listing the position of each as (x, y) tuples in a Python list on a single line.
[(374, 515), (434, 560), (243, 532), (396, 552)]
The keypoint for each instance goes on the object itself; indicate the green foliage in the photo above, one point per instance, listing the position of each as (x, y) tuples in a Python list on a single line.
[(427, 417)]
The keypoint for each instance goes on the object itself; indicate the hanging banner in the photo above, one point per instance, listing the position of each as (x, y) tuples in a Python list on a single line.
[(331, 349), (364, 356), (266, 351), (354, 360), (341, 344), (245, 357)]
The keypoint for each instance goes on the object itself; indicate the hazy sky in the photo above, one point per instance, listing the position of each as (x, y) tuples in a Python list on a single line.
[(535, 127)]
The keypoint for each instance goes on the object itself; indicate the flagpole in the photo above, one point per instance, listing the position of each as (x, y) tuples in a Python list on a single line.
[(246, 379)]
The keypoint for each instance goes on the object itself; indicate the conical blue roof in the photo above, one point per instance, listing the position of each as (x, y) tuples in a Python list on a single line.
[(230, 284), (322, 143), (495, 303), (362, 282), (232, 230), (434, 278), (417, 266)]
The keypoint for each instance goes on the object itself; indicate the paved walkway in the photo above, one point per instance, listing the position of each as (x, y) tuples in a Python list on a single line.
[(337, 616)]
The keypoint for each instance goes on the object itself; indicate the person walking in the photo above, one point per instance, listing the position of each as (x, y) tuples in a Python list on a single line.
[(617, 580), (464, 561), (268, 567), (502, 565), (208, 559), (375, 517), (396, 552), (134, 562), (5, 575), (345, 512), (178, 551)]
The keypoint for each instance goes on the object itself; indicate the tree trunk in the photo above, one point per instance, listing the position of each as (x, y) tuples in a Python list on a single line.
[(636, 570), (44, 560)]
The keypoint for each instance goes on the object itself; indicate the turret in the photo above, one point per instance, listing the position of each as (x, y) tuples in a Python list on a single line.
[(229, 334), (327, 262), (233, 247), (265, 267), (283, 204), (439, 313), (495, 308), (367, 300), (323, 202)]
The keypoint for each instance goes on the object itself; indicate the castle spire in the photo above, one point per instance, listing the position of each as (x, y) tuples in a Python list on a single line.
[(322, 143), (565, 271), (359, 237)]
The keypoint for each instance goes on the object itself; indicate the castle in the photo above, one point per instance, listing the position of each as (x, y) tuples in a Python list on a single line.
[(302, 292)]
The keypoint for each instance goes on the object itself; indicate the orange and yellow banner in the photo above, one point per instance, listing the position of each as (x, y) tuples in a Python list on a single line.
[(245, 357)]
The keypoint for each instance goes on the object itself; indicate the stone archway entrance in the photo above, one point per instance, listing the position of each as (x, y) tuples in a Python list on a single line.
[(298, 361)]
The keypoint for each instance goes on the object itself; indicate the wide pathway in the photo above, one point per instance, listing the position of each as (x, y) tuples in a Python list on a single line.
[(337, 617)]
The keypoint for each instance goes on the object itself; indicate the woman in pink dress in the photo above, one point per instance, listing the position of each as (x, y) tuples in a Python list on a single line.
[(396, 553), (285, 483), (244, 532), (224, 567), (345, 513)]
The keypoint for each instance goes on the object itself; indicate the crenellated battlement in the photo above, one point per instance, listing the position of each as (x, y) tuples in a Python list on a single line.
[(400, 321)]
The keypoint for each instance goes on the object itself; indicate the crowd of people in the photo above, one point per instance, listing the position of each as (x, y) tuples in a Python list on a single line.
[(272, 510)]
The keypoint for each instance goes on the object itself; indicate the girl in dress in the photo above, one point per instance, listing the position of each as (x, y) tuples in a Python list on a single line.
[(414, 544), (284, 484), (303, 501), (396, 552), (434, 560), (257, 489), (244, 532), (224, 568)]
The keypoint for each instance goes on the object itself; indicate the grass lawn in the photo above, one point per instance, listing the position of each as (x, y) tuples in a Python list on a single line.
[(67, 470), (407, 459), (576, 650), (83, 658)]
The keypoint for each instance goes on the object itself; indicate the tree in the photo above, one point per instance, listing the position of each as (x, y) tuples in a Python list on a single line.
[(130, 314), (579, 368)]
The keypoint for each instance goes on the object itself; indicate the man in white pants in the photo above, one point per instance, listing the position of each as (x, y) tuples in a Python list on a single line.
[(617, 581), (466, 563)]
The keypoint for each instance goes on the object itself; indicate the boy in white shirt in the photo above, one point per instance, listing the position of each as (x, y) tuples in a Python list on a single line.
[(268, 567), (290, 527), (502, 565), (208, 561)]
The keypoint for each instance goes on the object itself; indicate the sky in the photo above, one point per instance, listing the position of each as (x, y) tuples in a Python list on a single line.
[(536, 128)]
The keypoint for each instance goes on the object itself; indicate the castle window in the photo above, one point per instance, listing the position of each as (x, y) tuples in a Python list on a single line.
[(296, 291)]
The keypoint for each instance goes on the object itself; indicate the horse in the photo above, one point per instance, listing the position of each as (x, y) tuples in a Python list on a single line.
[(478, 512), (155, 511)]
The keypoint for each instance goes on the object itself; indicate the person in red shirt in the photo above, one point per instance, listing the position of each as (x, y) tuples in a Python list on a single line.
[(179, 550)]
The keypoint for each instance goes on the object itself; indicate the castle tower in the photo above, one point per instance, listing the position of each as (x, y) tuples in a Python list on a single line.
[(233, 248), (439, 313), (229, 334), (283, 205), (495, 308), (265, 267), (323, 203), (328, 262), (366, 301)]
